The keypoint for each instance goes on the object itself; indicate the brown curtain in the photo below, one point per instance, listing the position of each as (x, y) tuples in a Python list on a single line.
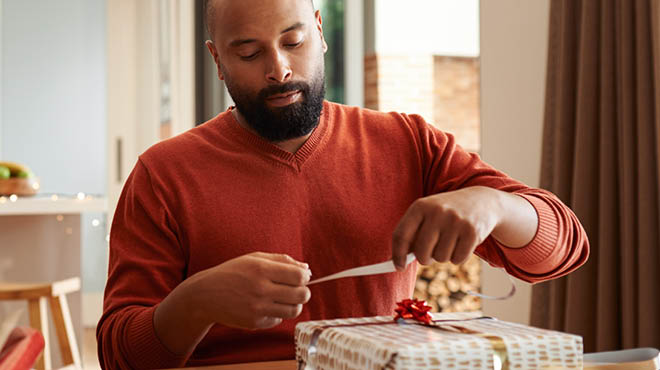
[(600, 156)]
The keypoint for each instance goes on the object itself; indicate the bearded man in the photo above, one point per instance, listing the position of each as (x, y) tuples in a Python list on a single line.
[(217, 230)]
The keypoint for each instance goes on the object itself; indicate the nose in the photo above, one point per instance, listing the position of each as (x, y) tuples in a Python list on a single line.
[(279, 70)]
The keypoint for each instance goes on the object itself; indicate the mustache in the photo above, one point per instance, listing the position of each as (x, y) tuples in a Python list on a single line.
[(283, 88)]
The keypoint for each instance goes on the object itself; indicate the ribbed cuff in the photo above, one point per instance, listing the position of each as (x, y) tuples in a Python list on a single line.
[(536, 256), (145, 349)]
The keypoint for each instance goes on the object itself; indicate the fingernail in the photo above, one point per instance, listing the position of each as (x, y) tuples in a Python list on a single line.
[(308, 276)]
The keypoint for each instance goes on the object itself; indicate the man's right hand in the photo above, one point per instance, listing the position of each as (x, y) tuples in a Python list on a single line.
[(253, 291)]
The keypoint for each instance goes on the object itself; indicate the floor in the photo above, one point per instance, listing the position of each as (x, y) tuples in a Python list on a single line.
[(89, 357)]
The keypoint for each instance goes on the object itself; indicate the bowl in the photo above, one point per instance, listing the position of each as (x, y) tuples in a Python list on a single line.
[(19, 186)]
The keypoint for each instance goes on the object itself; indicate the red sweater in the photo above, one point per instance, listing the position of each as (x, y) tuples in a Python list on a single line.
[(218, 191)]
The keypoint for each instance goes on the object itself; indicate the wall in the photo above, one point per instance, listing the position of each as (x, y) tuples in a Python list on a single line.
[(514, 36), (53, 104), (53, 98)]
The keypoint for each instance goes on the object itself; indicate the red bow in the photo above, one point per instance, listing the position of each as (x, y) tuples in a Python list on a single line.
[(413, 309)]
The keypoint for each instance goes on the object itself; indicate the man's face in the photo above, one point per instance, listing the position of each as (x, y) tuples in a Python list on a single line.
[(270, 54)]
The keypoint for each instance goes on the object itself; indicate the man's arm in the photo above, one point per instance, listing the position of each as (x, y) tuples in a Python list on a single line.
[(468, 206)]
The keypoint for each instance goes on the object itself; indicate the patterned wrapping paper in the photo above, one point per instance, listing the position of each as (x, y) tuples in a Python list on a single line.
[(383, 344)]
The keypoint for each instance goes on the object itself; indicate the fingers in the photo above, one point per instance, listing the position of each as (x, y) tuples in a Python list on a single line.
[(465, 245), (282, 258), (403, 236), (272, 314), (287, 274), (425, 241), (446, 245), (281, 268), (280, 310), (280, 302), (289, 295)]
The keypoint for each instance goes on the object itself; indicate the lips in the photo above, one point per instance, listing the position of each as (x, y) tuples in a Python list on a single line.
[(283, 95), (284, 99)]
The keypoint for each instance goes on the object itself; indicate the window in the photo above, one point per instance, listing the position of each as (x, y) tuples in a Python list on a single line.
[(332, 12)]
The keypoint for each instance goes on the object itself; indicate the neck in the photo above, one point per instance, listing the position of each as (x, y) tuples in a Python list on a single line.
[(291, 145)]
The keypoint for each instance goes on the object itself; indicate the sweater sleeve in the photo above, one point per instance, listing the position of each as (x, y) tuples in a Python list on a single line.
[(145, 263), (560, 244)]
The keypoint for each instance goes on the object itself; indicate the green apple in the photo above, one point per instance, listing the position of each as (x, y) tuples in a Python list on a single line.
[(4, 172), (23, 174)]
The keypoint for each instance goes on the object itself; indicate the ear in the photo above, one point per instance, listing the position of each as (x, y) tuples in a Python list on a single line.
[(214, 53), (319, 26)]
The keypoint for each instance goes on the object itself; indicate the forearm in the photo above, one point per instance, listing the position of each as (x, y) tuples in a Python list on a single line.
[(518, 221), (178, 320)]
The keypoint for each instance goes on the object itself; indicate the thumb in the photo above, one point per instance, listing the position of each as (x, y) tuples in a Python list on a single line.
[(268, 322)]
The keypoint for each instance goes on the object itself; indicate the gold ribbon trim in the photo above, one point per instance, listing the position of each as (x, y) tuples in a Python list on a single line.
[(500, 354)]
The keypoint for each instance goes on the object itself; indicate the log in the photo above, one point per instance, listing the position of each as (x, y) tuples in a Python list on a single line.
[(444, 286)]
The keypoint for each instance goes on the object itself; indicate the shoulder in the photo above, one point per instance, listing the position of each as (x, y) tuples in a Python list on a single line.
[(336, 110), (373, 122), (185, 145)]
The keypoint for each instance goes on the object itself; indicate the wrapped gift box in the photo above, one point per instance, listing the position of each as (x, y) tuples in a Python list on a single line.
[(452, 341)]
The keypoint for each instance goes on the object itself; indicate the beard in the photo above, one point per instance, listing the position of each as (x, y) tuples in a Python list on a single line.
[(282, 123)]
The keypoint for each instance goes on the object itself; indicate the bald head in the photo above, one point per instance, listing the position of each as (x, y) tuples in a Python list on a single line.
[(209, 6)]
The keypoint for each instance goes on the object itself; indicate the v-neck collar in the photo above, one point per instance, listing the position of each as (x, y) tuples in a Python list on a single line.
[(265, 147)]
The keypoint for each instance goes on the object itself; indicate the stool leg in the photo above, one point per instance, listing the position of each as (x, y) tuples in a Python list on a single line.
[(65, 333), (39, 321)]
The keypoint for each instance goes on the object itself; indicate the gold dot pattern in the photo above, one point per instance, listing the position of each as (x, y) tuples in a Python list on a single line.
[(389, 345)]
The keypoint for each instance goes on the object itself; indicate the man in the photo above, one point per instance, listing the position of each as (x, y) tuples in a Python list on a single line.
[(218, 229)]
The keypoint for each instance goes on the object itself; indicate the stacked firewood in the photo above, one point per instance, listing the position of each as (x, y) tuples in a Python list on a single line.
[(444, 285)]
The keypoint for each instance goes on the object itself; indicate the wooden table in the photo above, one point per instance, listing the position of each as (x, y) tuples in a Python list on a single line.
[(271, 365)]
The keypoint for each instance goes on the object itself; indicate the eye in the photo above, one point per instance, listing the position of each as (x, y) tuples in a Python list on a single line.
[(293, 45), (249, 57)]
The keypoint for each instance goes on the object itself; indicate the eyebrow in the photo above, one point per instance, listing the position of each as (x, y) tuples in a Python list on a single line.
[(239, 42)]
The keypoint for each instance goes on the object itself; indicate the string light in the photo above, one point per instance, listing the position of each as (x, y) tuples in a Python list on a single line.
[(13, 198), (54, 197), (35, 186)]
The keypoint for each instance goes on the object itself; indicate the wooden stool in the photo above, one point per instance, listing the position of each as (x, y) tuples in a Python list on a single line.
[(37, 295)]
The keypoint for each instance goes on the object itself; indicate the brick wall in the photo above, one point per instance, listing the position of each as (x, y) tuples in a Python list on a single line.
[(456, 99), (444, 90), (402, 83)]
